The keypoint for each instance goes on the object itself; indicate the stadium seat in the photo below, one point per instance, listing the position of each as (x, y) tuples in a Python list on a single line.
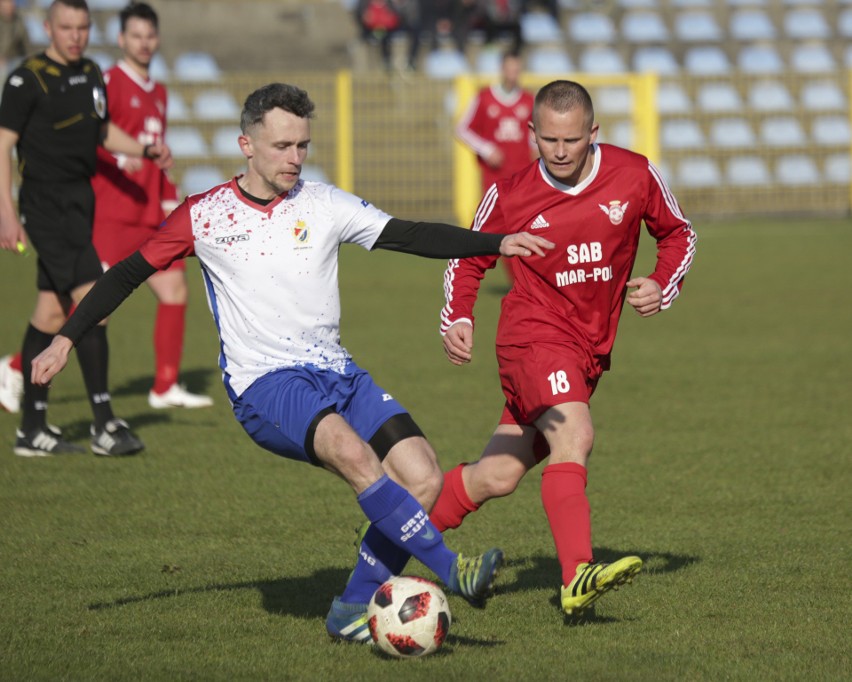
[(200, 178), (847, 57), (732, 133), (601, 59), (838, 169), (639, 4), (782, 131), (844, 23), (212, 105), (186, 141), (102, 59), (540, 27), (548, 61), (445, 64), (672, 99), (196, 67), (812, 58), (96, 37), (770, 96), (831, 130), (655, 58), (806, 22), (751, 24), (488, 63), (224, 142), (107, 5), (698, 171), (681, 134), (796, 169), (643, 27), (159, 70), (706, 60), (760, 58), (35, 30), (591, 27), (619, 133), (613, 100), (747, 170), (176, 107), (718, 97), (112, 28), (822, 96), (697, 27)]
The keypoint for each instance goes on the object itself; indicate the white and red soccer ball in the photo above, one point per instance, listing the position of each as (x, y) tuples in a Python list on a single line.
[(409, 617)]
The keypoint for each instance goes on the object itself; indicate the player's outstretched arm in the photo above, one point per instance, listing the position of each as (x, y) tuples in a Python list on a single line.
[(51, 361), (647, 298), (524, 244), (458, 343)]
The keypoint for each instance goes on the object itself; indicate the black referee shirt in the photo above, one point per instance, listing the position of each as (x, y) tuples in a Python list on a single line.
[(58, 112)]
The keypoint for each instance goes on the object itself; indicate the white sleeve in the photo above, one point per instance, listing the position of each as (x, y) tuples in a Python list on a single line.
[(357, 219)]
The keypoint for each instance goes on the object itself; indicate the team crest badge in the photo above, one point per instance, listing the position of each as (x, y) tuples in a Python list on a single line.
[(99, 99), (300, 231), (615, 211)]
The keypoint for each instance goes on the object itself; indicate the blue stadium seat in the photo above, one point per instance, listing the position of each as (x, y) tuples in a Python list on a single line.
[(96, 37), (548, 61), (613, 100), (176, 108), (186, 141), (718, 97), (591, 27), (102, 59), (844, 23), (806, 22), (655, 58), (217, 104), (112, 28), (107, 5), (637, 4), (796, 170), (831, 130), (643, 27), (751, 24), (601, 59), (697, 27), (747, 170), (196, 67), (706, 60), (619, 133), (540, 27), (782, 131), (698, 171), (681, 134), (200, 178), (770, 96), (732, 133), (812, 58), (838, 169), (760, 58), (445, 64), (822, 96), (159, 69), (673, 99), (488, 62), (35, 30), (224, 142)]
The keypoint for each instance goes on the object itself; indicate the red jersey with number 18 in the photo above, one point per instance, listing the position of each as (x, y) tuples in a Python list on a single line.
[(576, 292)]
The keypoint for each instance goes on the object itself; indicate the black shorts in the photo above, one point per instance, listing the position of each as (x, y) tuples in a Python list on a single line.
[(58, 220)]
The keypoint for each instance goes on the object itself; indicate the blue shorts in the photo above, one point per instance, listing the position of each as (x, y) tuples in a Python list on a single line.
[(277, 409)]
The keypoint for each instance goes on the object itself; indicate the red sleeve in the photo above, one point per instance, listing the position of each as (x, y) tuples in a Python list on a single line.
[(464, 275), (470, 130), (674, 234), (171, 242)]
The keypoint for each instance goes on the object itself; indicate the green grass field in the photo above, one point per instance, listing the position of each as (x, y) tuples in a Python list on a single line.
[(722, 458)]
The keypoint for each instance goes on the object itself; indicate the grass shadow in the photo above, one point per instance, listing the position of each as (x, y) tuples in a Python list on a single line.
[(196, 380)]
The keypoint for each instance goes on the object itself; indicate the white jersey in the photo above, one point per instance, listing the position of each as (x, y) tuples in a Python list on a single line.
[(270, 272)]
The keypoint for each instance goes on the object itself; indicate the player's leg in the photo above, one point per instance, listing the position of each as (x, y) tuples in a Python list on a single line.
[(11, 382), (170, 288)]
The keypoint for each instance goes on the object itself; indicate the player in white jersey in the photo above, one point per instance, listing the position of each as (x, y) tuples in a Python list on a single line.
[(268, 243)]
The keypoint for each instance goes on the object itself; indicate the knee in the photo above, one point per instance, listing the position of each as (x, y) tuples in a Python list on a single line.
[(487, 481)]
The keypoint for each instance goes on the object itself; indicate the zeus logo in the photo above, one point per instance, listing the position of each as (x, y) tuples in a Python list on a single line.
[(231, 238)]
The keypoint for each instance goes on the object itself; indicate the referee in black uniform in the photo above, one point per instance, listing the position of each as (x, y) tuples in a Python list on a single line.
[(54, 112)]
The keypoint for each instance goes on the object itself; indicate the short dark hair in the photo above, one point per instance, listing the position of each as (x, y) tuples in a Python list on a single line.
[(275, 96), (138, 10), (74, 4), (562, 96)]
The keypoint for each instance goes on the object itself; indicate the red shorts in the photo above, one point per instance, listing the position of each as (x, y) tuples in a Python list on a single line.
[(117, 241), (541, 375)]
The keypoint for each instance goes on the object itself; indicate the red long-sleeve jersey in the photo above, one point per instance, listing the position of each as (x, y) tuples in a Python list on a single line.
[(575, 294)]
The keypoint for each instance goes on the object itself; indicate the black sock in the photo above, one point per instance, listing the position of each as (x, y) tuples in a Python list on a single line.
[(93, 356), (34, 404)]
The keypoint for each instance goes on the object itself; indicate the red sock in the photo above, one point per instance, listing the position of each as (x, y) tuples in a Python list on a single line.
[(453, 503), (15, 362), (563, 493), (168, 344)]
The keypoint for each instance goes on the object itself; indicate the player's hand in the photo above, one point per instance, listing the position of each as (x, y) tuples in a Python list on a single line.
[(647, 298), (458, 343), (494, 159), (160, 154), (51, 360), (524, 244), (12, 235), (131, 165)]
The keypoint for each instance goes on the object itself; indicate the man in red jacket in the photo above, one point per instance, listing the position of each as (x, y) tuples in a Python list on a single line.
[(558, 323)]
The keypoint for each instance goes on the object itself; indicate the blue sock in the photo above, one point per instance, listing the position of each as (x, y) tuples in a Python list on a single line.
[(404, 523), (378, 560)]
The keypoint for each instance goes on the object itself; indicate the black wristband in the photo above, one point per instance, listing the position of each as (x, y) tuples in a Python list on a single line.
[(146, 152)]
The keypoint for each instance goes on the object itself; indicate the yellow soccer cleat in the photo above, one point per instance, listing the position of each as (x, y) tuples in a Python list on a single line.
[(594, 580)]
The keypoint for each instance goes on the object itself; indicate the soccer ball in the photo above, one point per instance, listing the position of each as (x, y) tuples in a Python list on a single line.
[(409, 617)]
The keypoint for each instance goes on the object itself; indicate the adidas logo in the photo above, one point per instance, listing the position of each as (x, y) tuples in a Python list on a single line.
[(539, 223)]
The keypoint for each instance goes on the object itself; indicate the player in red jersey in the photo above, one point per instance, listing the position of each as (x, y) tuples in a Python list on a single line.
[(133, 196), (558, 323), (495, 127)]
